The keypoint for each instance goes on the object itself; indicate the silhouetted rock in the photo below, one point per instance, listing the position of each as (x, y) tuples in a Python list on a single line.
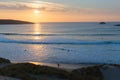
[(7, 21), (3, 60), (102, 23), (117, 25), (89, 73), (27, 71)]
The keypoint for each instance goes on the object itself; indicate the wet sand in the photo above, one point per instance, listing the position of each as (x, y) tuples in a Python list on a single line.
[(64, 66)]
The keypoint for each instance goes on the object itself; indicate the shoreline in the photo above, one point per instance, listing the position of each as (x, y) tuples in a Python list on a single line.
[(68, 67), (65, 66)]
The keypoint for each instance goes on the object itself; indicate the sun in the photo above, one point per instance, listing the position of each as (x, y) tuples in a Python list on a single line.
[(36, 11)]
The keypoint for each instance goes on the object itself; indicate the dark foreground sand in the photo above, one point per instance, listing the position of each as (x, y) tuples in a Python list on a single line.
[(41, 71)]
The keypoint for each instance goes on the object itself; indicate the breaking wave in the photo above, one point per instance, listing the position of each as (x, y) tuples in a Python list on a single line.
[(58, 41), (18, 34)]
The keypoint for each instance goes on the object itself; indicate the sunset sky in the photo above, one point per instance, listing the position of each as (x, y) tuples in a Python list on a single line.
[(60, 10)]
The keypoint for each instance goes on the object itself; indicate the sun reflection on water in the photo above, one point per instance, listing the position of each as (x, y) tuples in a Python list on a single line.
[(37, 30)]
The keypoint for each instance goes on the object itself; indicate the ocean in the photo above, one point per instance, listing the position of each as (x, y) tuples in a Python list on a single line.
[(69, 43)]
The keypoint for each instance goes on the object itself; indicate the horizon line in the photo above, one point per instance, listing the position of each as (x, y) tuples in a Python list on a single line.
[(58, 21)]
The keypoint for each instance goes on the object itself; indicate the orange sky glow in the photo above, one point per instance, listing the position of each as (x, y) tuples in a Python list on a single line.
[(52, 12)]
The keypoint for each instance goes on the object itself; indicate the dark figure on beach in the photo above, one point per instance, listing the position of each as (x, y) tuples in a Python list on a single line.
[(25, 50), (58, 65)]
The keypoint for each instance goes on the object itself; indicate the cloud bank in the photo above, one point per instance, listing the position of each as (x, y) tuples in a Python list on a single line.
[(53, 7), (40, 5)]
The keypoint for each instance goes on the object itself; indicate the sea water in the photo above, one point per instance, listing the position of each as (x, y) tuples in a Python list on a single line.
[(72, 43)]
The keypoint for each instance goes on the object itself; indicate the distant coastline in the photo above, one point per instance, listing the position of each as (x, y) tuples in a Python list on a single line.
[(9, 21)]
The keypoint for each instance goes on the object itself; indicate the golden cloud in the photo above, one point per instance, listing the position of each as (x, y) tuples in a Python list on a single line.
[(40, 5)]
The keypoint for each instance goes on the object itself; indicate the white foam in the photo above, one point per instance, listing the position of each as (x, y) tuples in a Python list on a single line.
[(56, 41)]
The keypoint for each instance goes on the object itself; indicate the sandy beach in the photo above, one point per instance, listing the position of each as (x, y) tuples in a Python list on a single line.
[(68, 67)]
